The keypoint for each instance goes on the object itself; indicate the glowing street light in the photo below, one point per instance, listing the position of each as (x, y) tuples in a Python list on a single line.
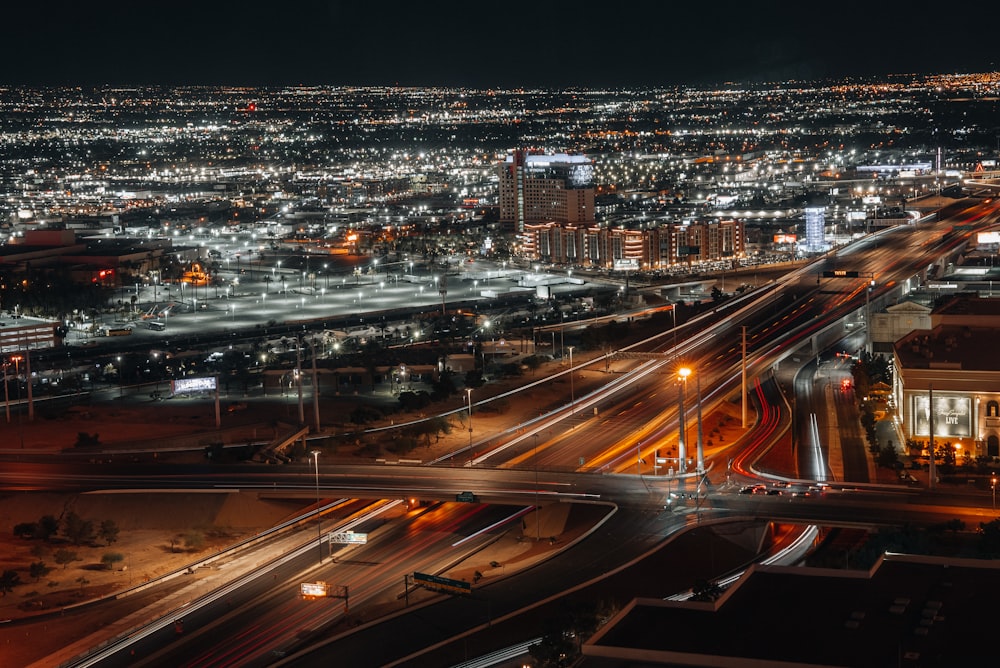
[(682, 374)]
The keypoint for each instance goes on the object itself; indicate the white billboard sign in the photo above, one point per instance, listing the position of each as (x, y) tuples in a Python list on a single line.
[(189, 385)]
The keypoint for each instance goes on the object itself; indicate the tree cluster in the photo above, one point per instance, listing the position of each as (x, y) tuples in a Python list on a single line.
[(71, 529)]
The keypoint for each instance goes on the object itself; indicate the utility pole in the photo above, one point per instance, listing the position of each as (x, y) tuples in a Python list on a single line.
[(315, 382), (319, 520)]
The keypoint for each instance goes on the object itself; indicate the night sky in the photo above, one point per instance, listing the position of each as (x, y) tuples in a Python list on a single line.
[(480, 44)]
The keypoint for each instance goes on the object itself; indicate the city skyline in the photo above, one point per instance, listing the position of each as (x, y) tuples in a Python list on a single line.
[(555, 44)]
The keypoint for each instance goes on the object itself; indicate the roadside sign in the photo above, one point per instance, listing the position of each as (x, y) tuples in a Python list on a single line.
[(313, 589), (349, 538), (465, 497), (446, 585)]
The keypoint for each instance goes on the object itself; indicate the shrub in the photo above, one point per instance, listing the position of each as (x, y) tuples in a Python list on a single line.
[(109, 559)]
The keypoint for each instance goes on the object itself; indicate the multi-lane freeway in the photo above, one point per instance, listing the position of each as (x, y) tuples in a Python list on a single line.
[(592, 449)]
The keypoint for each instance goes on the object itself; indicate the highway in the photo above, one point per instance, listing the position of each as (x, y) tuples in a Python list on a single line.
[(253, 626), (580, 456)]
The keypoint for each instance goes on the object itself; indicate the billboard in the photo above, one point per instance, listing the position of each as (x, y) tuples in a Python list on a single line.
[(952, 416), (191, 385), (785, 238)]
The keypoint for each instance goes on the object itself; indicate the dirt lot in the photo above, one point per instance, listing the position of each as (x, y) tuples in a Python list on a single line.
[(159, 533)]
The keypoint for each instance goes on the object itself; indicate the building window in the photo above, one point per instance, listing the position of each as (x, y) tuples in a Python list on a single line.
[(992, 409)]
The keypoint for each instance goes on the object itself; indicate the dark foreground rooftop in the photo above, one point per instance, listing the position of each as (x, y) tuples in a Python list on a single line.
[(907, 611)]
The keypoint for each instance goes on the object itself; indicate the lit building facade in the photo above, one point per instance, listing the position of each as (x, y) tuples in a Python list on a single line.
[(21, 333), (815, 222), (946, 379), (650, 248), (538, 188)]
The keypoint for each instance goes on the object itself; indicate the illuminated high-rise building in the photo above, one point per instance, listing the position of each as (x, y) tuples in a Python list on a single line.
[(815, 211), (537, 188)]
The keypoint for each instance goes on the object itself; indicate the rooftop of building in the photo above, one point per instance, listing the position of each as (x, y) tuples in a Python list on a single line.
[(553, 158), (949, 346), (907, 611), (12, 321), (13, 250), (964, 305)]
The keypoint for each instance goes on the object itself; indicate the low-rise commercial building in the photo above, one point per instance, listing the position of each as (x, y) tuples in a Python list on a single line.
[(947, 378)]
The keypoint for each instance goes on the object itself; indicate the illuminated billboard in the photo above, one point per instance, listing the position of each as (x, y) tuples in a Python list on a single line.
[(952, 416), (785, 238), (192, 385)]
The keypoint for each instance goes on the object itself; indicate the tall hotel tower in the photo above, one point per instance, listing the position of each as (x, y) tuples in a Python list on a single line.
[(535, 188)]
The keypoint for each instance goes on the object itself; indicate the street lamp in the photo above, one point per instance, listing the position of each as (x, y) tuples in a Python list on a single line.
[(701, 448), (537, 523), (682, 374), (468, 393), (6, 390), (993, 485), (319, 522), (572, 393)]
